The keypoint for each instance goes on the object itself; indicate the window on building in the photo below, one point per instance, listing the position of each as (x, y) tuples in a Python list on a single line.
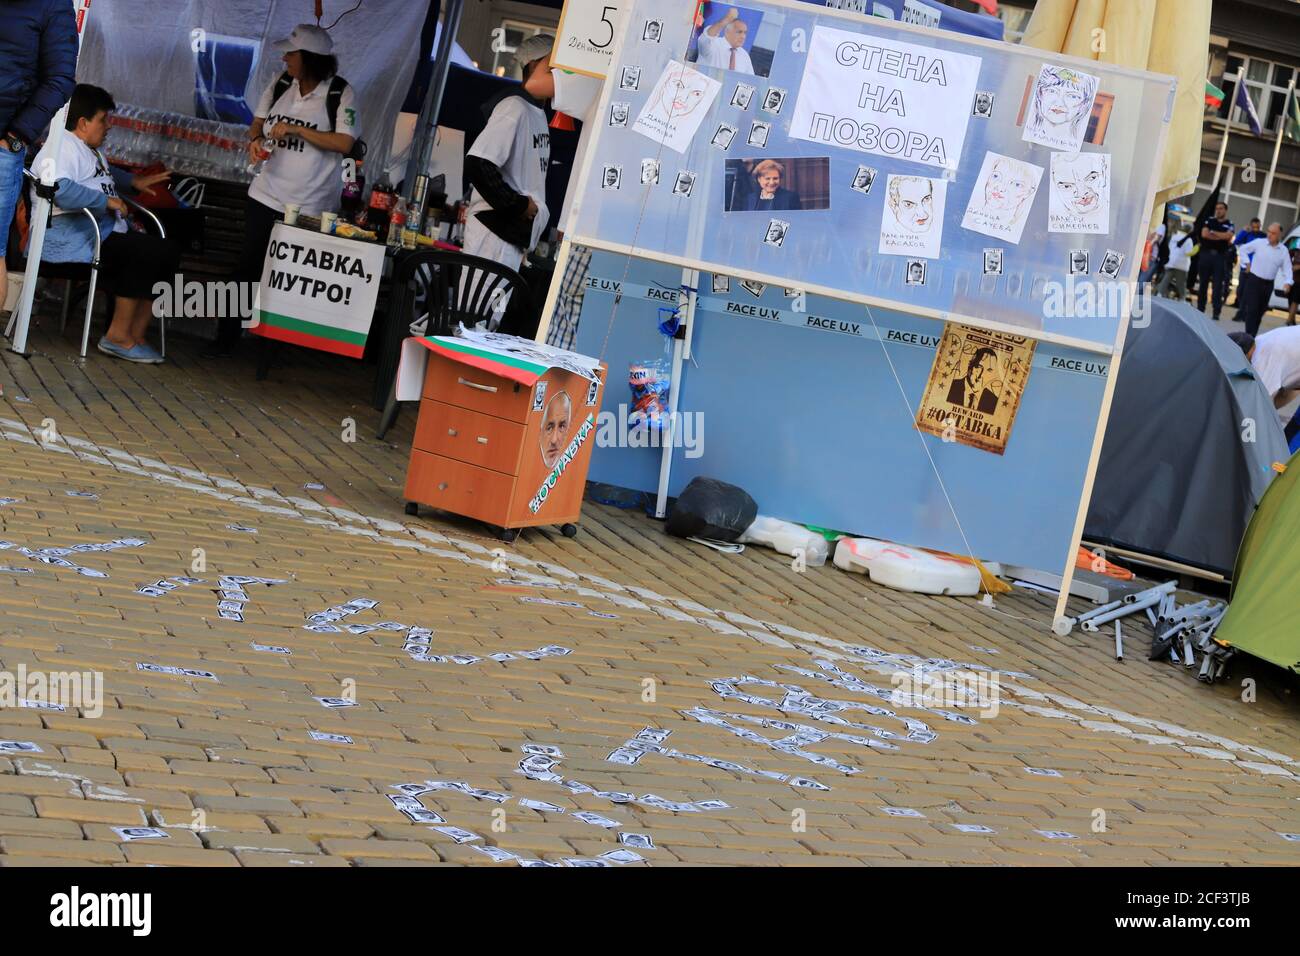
[(1242, 196), (1266, 82)]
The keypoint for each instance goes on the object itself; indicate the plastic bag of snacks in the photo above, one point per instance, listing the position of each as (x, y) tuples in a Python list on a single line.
[(649, 382)]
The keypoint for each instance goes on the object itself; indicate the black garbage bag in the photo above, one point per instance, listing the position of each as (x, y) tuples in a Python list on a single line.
[(708, 508)]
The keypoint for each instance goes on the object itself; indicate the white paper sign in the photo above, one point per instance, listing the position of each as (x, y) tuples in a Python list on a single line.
[(912, 224), (319, 291), (1003, 195), (1079, 193), (677, 106), (585, 38), (1059, 107), (885, 97)]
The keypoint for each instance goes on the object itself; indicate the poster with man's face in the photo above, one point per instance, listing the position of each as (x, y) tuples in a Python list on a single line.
[(556, 425), (975, 386)]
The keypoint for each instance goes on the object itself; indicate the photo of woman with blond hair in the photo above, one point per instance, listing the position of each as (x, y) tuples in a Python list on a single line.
[(764, 191)]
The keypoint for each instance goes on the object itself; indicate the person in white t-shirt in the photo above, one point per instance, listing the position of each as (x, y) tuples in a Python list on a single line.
[(723, 44), (507, 163), (1270, 265), (305, 165), (131, 264), (1180, 260)]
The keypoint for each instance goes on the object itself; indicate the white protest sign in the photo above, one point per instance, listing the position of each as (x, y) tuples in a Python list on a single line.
[(586, 36), (886, 97), (319, 291)]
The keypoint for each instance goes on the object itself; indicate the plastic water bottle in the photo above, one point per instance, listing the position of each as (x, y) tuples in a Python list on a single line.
[(265, 147)]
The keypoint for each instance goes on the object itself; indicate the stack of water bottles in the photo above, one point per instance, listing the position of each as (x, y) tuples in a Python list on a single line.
[(184, 144)]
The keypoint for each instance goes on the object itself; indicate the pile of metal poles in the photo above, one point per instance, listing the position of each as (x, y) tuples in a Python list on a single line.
[(1179, 632)]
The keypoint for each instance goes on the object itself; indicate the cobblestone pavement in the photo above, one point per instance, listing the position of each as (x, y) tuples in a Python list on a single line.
[(780, 680)]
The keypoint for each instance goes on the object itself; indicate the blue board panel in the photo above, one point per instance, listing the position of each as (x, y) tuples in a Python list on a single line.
[(813, 423)]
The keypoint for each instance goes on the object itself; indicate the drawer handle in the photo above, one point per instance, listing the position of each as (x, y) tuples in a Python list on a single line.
[(482, 439), (481, 388), (451, 432), (442, 486)]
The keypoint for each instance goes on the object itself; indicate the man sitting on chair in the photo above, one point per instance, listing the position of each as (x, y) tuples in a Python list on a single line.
[(130, 263)]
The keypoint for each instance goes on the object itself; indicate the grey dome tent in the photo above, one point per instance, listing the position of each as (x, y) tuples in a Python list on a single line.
[(1177, 479)]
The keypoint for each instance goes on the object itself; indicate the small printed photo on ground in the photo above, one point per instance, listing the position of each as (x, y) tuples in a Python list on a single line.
[(983, 105), (649, 172), (765, 185), (758, 133), (773, 100), (721, 284), (862, 179), (618, 114), (723, 136), (652, 31), (1078, 262), (736, 38), (684, 183), (742, 96), (1110, 264), (630, 78), (775, 233), (993, 262), (611, 177), (915, 274)]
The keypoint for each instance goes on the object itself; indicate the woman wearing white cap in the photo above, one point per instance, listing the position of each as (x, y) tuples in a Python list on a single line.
[(310, 112)]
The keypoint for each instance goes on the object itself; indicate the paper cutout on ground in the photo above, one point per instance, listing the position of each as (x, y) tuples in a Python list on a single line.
[(1059, 107), (1003, 195), (676, 106), (912, 222), (1079, 193)]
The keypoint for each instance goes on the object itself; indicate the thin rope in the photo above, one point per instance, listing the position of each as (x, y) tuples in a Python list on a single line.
[(921, 437)]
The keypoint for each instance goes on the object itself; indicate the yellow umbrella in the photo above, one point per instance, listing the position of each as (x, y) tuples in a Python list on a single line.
[(1163, 36)]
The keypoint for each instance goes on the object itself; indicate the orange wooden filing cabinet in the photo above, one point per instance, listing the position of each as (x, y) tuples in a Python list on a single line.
[(501, 451)]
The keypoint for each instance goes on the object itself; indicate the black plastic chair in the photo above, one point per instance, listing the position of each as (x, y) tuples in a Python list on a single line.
[(459, 289)]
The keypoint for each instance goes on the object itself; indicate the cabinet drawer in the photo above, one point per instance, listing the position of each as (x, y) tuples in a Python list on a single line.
[(469, 436), (459, 487), (457, 384)]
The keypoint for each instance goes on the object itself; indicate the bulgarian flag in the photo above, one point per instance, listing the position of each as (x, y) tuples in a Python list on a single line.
[(1213, 95), (497, 362)]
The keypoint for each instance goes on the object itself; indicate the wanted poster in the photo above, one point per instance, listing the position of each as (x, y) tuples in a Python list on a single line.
[(1079, 196), (677, 106), (912, 224), (975, 386), (1003, 194)]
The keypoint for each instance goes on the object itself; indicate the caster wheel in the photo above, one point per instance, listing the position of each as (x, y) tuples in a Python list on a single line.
[(569, 530), (509, 534), (412, 508)]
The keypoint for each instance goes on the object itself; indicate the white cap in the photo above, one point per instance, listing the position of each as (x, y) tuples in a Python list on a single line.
[(534, 48), (306, 37)]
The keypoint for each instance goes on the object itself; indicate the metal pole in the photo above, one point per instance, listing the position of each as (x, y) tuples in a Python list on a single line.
[(1277, 148), (41, 210), (426, 127)]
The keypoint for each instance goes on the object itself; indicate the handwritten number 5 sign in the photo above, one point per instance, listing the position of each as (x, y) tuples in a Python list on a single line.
[(584, 42)]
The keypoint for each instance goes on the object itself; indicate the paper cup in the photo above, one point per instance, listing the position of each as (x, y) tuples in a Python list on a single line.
[(291, 210), (327, 222)]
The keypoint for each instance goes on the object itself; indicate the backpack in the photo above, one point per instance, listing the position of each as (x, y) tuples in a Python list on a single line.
[(332, 98)]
